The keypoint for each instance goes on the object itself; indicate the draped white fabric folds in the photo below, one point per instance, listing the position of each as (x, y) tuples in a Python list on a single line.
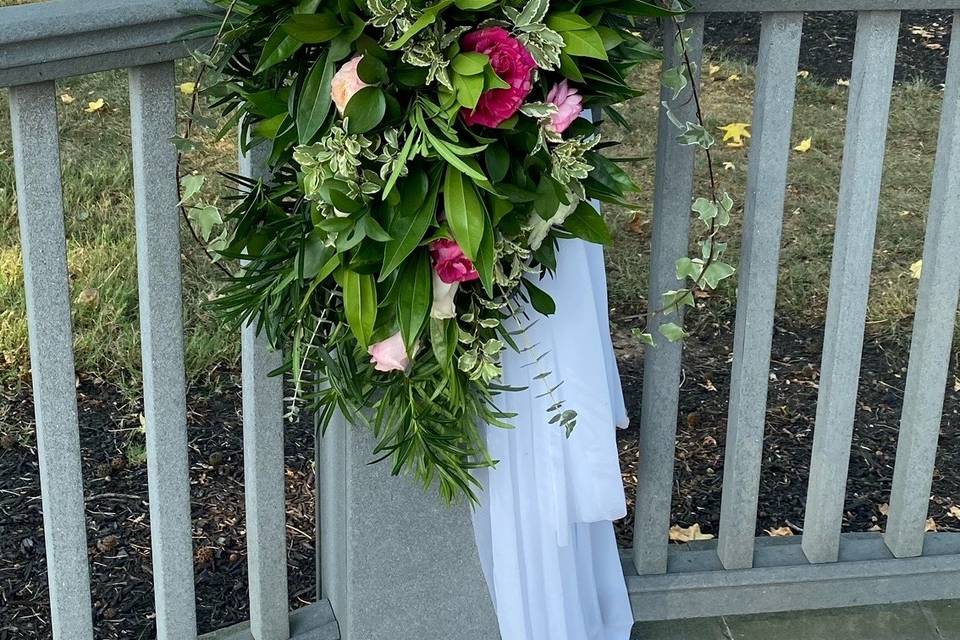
[(544, 528)]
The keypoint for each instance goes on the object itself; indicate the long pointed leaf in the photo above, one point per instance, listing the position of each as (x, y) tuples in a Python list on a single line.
[(464, 212), (407, 229), (414, 297), (315, 100), (360, 302)]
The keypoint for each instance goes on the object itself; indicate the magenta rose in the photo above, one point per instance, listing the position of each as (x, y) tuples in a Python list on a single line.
[(515, 66), (449, 262), (569, 105)]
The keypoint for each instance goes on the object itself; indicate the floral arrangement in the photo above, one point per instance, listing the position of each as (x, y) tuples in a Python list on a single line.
[(425, 158)]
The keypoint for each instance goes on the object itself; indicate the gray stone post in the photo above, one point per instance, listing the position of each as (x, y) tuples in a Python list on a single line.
[(396, 563)]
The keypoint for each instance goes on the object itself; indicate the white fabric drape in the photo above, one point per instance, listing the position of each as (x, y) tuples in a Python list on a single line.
[(544, 527)]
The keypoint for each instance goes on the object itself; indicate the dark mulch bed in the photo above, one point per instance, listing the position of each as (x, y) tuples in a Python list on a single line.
[(118, 519), (118, 515), (828, 40), (791, 410)]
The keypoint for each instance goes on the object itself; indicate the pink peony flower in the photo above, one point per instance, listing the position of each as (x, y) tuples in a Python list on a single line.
[(390, 354), (513, 63), (450, 264), (569, 105), (345, 83)]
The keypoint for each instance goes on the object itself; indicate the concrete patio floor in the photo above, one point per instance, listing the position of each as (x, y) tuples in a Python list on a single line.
[(911, 621)]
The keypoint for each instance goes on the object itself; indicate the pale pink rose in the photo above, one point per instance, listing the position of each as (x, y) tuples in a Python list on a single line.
[(390, 354), (443, 295), (345, 83), (449, 262), (569, 105)]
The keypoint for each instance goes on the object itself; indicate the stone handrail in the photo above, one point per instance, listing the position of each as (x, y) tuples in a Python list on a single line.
[(386, 548), (65, 38), (783, 6)]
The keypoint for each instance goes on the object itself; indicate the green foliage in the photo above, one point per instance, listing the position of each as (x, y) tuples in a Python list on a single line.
[(312, 28), (414, 214), (314, 105), (708, 270), (586, 222), (360, 304), (464, 211), (582, 41), (414, 296), (672, 332), (365, 110), (332, 254)]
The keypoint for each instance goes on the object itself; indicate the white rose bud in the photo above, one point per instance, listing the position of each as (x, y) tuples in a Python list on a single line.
[(443, 294)]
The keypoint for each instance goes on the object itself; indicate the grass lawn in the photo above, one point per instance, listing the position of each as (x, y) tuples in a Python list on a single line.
[(98, 200), (812, 194), (97, 171)]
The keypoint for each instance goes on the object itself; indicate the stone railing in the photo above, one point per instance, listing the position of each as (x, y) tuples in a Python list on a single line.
[(394, 564)]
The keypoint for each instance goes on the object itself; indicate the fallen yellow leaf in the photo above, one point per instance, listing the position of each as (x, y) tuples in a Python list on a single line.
[(187, 88), (916, 269), (691, 533), (884, 509), (954, 512), (781, 532), (803, 74), (93, 107), (930, 526), (736, 132), (66, 98), (714, 69), (734, 77), (804, 146), (729, 166), (843, 83)]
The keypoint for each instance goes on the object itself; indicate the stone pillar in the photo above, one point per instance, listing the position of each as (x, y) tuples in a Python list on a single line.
[(396, 563)]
